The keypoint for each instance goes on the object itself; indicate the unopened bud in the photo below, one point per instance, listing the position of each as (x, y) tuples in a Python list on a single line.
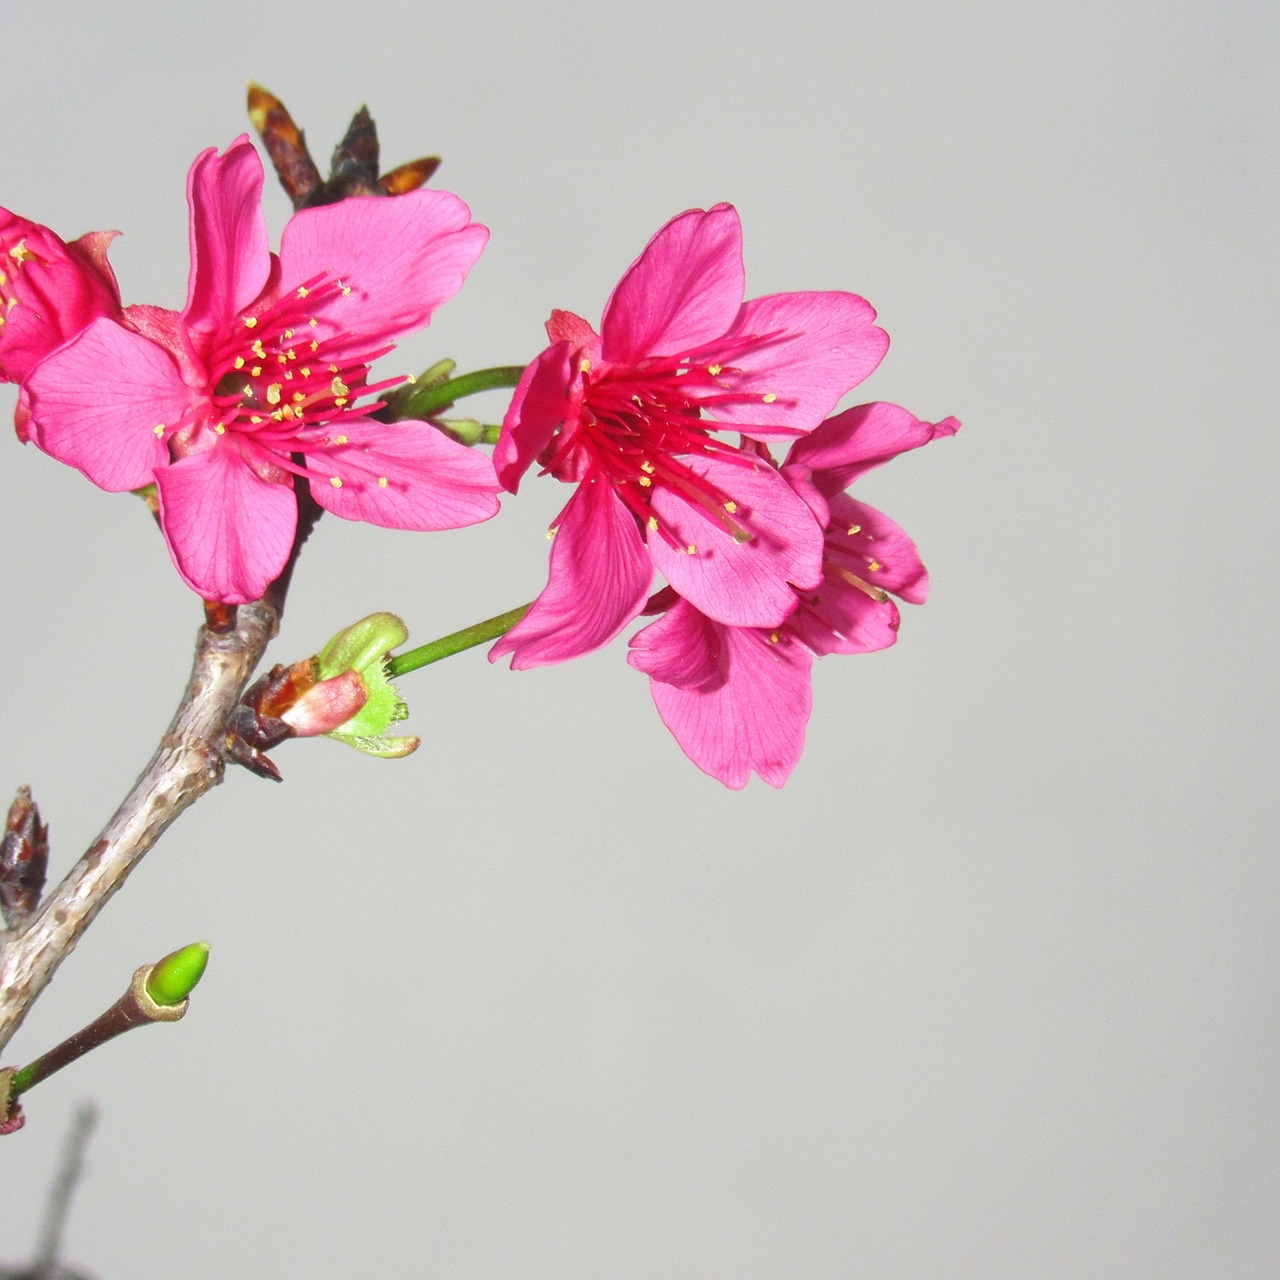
[(24, 859), (327, 705), (173, 979)]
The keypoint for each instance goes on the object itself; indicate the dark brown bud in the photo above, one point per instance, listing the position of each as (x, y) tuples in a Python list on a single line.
[(285, 144), (408, 177), (24, 859)]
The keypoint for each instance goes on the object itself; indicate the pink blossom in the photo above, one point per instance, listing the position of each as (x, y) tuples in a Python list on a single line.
[(254, 382), (737, 699), (49, 292), (628, 414)]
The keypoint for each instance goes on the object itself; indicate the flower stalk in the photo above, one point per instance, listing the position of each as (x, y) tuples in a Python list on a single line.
[(437, 395), (455, 642)]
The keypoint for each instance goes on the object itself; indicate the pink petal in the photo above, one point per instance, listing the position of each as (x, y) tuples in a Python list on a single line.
[(877, 542), (403, 475), (755, 720), (400, 258), (96, 405), (684, 648), (740, 584), (823, 345), (681, 292), (230, 256), (229, 532), (598, 581), (543, 400), (841, 618), (854, 441)]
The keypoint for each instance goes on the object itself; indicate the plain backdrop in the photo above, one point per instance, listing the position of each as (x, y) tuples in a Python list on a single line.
[(989, 989)]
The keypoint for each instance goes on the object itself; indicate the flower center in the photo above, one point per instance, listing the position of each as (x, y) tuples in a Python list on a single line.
[(638, 422), (284, 371), (12, 259)]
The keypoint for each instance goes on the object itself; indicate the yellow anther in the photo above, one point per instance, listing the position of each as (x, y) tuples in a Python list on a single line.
[(333, 368), (335, 481), (257, 349), (306, 373), (340, 401), (291, 354), (314, 344), (551, 533), (253, 417), (411, 378), (298, 397), (653, 524), (256, 371), (239, 362), (339, 388), (159, 430), (691, 549), (313, 322), (273, 393), (769, 397), (714, 370), (220, 430), (873, 566), (303, 291), (584, 365), (346, 289), (340, 440), (647, 468), (288, 333), (853, 528), (250, 322), (246, 390), (20, 253), (731, 507), (382, 482), (645, 482), (773, 637)]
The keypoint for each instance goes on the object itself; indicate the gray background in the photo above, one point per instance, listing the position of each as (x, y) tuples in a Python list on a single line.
[(989, 990)]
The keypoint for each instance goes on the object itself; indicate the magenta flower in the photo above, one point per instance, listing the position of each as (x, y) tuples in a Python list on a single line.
[(49, 292), (737, 699), (627, 416), (254, 382)]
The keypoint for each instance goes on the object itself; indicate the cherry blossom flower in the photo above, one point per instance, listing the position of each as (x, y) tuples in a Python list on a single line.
[(627, 415), (256, 380), (737, 699), (49, 292)]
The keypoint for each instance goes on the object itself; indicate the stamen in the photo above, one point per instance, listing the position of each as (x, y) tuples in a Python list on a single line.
[(853, 580)]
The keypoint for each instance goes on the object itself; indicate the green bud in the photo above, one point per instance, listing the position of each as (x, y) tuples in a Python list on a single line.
[(173, 978)]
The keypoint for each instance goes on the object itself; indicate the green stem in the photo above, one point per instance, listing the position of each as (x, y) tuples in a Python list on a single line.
[(440, 395), (447, 646)]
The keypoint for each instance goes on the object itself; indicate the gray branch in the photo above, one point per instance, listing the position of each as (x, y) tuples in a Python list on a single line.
[(188, 762)]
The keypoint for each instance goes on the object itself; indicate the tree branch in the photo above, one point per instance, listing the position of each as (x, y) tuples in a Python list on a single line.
[(188, 762)]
